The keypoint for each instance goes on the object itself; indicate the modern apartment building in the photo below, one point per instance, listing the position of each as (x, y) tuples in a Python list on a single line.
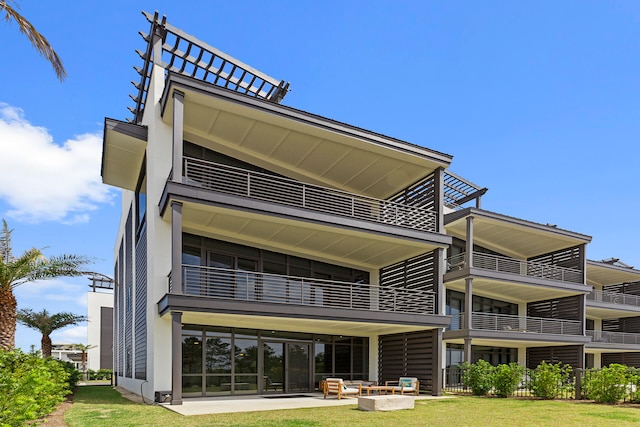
[(263, 248)]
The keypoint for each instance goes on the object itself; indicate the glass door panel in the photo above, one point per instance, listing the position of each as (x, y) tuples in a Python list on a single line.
[(273, 367), (298, 373)]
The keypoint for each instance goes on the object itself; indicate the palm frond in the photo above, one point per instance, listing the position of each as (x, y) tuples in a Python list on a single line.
[(38, 41)]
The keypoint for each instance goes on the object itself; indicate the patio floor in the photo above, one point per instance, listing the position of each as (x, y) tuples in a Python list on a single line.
[(220, 405)]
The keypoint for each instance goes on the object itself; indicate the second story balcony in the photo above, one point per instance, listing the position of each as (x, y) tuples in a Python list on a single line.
[(277, 189), (512, 323), (249, 286), (613, 338), (518, 267)]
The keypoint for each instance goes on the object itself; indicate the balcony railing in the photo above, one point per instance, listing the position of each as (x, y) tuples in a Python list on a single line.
[(271, 188), (614, 298), (614, 337), (512, 323), (516, 266), (301, 291)]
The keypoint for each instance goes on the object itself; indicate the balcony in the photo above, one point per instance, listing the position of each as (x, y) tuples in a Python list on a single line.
[(514, 266), (614, 298), (276, 189), (239, 285), (614, 337), (512, 323)]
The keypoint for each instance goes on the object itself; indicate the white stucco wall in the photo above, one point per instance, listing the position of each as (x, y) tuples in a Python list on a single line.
[(95, 302)]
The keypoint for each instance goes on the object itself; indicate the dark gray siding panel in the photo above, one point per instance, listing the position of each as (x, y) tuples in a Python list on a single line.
[(128, 297), (141, 308), (562, 308), (569, 355), (120, 310), (407, 355), (106, 338), (416, 273), (629, 359)]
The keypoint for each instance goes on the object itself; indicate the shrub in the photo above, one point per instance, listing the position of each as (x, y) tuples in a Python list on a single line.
[(74, 374), (550, 380), (478, 377), (610, 384), (506, 379), (30, 387)]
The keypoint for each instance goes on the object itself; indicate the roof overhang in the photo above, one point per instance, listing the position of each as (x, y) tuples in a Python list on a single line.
[(331, 238), (297, 144), (311, 319), (511, 236), (601, 274), (123, 149)]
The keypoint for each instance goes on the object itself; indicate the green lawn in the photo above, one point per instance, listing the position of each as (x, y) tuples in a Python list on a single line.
[(103, 406)]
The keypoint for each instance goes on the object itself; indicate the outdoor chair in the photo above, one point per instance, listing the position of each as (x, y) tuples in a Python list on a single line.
[(405, 385), (338, 387)]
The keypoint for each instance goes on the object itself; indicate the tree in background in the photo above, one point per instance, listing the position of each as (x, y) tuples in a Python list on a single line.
[(84, 349), (39, 42), (46, 324), (30, 266)]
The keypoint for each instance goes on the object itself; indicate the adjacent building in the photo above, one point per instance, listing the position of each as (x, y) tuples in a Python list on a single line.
[(263, 248)]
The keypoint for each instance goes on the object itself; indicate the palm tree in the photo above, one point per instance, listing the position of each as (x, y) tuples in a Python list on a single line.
[(46, 324), (30, 266), (39, 42), (84, 349)]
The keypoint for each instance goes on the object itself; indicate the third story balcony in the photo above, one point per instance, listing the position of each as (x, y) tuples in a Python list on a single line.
[(277, 189)]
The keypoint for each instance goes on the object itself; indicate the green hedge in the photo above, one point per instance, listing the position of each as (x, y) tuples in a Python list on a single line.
[(31, 387)]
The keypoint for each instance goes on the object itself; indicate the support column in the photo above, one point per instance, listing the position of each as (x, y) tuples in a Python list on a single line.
[(582, 312), (468, 256), (176, 247), (176, 358), (438, 185), (178, 135), (467, 350), (438, 287), (438, 365), (468, 303)]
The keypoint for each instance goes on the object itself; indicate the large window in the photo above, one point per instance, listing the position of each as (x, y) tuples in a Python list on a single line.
[(226, 361)]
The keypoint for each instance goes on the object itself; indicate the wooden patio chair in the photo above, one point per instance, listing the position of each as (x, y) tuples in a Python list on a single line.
[(339, 388), (405, 385)]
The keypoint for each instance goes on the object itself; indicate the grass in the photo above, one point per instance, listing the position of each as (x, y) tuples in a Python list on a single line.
[(97, 406)]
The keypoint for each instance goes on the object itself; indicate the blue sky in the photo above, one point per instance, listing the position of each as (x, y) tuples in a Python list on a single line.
[(538, 101)]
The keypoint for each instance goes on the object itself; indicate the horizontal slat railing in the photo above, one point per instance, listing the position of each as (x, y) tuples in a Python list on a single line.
[(516, 266), (512, 323), (614, 337), (256, 185), (614, 298), (273, 288)]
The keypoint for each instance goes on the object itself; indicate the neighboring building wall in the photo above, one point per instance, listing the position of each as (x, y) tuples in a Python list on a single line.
[(100, 330)]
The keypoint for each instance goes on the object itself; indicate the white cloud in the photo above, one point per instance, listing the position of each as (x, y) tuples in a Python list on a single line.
[(56, 290), (70, 335), (44, 181)]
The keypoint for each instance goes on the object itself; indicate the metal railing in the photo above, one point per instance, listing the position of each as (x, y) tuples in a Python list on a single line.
[(512, 323), (272, 188), (516, 266), (614, 298), (279, 289), (613, 337)]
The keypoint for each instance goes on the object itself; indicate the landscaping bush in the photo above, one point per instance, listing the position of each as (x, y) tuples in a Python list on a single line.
[(478, 377), (101, 374), (550, 380), (506, 379), (610, 384), (74, 374), (30, 387)]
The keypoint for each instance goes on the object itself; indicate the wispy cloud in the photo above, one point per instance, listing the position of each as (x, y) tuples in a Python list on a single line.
[(71, 335), (36, 293), (42, 180)]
